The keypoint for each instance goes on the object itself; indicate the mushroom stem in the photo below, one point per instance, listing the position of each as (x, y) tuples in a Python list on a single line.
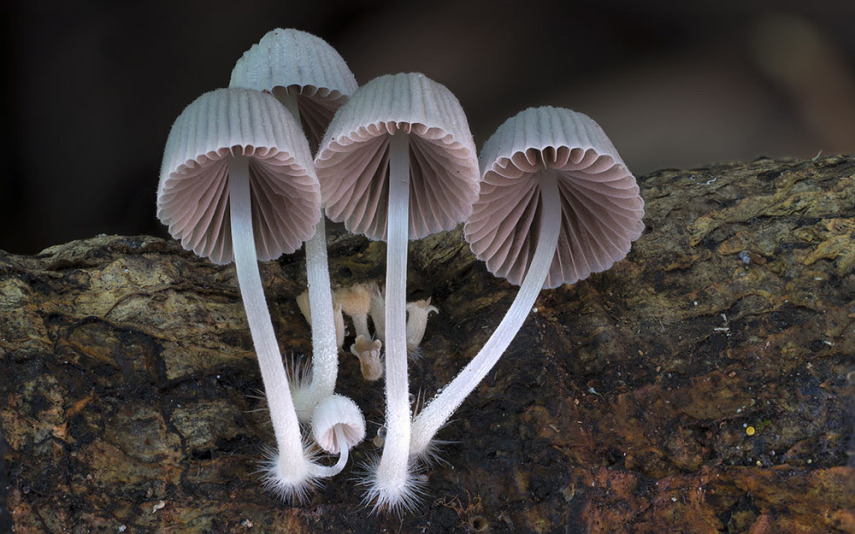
[(360, 324), (391, 482), (436, 413), (285, 425), (322, 471), (324, 344)]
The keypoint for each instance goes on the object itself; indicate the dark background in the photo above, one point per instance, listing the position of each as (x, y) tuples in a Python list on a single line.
[(89, 92)]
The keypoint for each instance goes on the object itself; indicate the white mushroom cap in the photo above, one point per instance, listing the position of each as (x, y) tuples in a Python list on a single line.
[(353, 159), (193, 193), (600, 201), (337, 411), (296, 62)]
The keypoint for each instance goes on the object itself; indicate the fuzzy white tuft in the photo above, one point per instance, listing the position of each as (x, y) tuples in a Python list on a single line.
[(396, 498), (300, 380), (288, 482)]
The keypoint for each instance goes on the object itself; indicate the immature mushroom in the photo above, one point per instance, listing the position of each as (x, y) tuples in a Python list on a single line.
[(417, 317), (557, 203), (237, 182), (355, 302), (368, 352), (312, 80), (397, 163)]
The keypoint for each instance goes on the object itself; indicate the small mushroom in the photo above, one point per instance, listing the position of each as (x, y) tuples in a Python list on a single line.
[(368, 352), (398, 163), (337, 426), (355, 302), (417, 317), (312, 81), (237, 183), (557, 203)]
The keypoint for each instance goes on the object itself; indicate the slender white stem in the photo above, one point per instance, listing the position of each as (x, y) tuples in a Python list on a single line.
[(360, 324), (392, 471), (324, 344), (285, 425), (322, 471), (437, 412)]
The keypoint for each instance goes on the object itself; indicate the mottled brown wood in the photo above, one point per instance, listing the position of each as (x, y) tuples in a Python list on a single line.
[(704, 384)]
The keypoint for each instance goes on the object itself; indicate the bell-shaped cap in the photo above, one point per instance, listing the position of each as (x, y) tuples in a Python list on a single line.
[(193, 193), (353, 159), (337, 411), (295, 62), (600, 201)]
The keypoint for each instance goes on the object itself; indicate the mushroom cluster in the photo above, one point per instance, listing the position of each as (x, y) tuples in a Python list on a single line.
[(548, 202)]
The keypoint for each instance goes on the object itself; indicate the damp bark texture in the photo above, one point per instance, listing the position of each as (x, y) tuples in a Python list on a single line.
[(703, 384)]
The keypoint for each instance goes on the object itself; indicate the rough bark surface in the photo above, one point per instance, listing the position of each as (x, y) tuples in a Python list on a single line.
[(704, 384)]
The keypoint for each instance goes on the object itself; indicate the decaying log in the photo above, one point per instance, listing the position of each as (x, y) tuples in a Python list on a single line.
[(704, 384)]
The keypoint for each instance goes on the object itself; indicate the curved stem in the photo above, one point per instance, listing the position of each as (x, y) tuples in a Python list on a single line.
[(437, 412), (322, 471), (360, 324), (324, 345), (285, 425), (392, 470)]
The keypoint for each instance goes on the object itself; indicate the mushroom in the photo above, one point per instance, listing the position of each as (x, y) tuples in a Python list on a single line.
[(417, 316), (312, 80), (398, 163), (337, 426), (557, 203), (237, 183), (355, 302), (368, 352), (302, 71)]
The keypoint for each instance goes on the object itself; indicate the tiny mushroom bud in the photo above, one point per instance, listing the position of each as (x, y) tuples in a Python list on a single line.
[(237, 183), (368, 353), (355, 302), (312, 80), (557, 203), (398, 163), (417, 317)]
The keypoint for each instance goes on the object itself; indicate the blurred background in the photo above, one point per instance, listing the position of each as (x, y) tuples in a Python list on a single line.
[(89, 92)]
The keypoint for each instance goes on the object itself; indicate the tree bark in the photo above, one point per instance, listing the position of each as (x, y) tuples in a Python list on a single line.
[(703, 384)]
